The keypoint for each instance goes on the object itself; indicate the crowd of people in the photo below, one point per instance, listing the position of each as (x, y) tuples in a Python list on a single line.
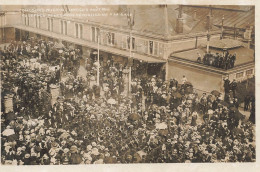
[(90, 123), (223, 61)]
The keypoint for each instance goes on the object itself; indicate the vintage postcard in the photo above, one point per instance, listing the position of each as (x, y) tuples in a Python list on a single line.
[(157, 86)]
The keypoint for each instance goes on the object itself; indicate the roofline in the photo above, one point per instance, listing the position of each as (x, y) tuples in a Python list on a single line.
[(219, 8), (127, 30)]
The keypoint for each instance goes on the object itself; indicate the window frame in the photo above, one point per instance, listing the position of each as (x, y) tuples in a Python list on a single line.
[(76, 30), (66, 27), (93, 34), (52, 24), (251, 72), (240, 73), (156, 53), (48, 24), (149, 47), (124, 42), (61, 27), (81, 31), (128, 42)]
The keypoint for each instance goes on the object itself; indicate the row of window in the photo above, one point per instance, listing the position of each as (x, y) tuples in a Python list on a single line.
[(241, 74), (150, 47), (107, 38)]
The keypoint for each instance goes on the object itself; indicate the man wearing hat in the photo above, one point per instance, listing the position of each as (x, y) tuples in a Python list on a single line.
[(233, 87)]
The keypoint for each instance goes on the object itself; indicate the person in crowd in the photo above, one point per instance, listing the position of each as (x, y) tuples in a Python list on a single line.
[(246, 102), (225, 61), (91, 124), (184, 79), (233, 87)]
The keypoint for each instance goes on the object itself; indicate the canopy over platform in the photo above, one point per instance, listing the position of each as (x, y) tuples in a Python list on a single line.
[(225, 44)]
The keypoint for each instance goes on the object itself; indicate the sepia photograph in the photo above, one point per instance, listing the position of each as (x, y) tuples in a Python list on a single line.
[(127, 84)]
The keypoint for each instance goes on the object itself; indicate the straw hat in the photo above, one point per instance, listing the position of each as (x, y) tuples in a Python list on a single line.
[(73, 149), (66, 150)]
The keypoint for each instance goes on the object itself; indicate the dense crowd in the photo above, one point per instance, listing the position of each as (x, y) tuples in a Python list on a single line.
[(223, 61), (88, 123)]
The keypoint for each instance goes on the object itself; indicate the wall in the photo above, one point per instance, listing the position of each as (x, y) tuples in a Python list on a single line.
[(7, 34), (11, 18), (43, 23), (202, 80), (71, 29), (86, 32), (56, 25), (233, 75), (32, 20)]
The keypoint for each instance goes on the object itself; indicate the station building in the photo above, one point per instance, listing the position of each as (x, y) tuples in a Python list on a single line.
[(165, 37)]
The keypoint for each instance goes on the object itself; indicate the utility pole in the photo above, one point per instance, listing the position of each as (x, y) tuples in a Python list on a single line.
[(209, 25), (208, 39), (98, 36), (222, 28)]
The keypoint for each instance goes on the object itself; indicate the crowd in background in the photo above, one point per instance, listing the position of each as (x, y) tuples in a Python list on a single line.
[(158, 122), (223, 61)]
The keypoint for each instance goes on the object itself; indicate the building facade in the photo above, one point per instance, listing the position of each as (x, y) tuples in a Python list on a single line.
[(147, 46)]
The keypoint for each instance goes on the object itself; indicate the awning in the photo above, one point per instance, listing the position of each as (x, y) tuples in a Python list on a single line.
[(89, 44)]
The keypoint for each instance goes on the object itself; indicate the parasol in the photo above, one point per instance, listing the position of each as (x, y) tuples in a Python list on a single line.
[(73, 149), (215, 93), (134, 116), (8, 132), (111, 101), (58, 45), (161, 126)]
